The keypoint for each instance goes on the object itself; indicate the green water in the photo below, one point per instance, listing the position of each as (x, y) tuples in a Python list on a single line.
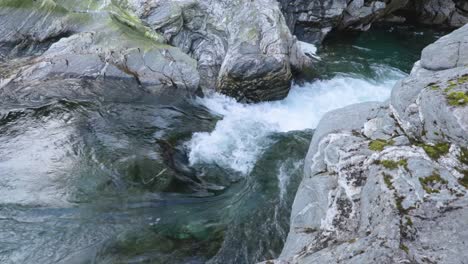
[(98, 171)]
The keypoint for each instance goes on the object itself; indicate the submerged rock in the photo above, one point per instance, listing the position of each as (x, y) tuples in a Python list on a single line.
[(387, 182)]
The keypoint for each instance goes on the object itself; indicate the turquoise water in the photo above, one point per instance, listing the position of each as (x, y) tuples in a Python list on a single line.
[(103, 172)]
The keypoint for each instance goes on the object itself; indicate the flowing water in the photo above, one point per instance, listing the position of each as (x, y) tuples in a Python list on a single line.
[(105, 172)]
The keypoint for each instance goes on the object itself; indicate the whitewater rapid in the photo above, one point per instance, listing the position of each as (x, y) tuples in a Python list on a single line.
[(243, 133)]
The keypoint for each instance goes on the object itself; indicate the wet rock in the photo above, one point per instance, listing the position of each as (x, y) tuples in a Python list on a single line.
[(312, 20), (404, 201), (241, 48), (84, 55), (451, 13)]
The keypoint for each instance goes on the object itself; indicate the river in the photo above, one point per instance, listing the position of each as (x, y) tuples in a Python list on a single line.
[(100, 171)]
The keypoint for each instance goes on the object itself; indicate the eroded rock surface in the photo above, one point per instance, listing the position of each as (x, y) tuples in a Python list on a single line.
[(313, 20), (387, 182), (452, 13), (241, 48)]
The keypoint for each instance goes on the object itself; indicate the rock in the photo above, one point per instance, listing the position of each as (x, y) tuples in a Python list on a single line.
[(82, 55), (244, 48), (241, 48), (448, 52), (32, 21), (111, 45), (451, 13), (387, 182), (312, 20)]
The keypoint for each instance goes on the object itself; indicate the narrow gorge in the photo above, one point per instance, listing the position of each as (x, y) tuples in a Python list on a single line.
[(242, 131)]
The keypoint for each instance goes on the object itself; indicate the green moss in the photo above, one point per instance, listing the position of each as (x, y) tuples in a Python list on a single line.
[(464, 181), (428, 182), (463, 157), (390, 164), (399, 204), (129, 24), (457, 98), (388, 181), (434, 87), (409, 222), (404, 248), (436, 151), (380, 144), (463, 79)]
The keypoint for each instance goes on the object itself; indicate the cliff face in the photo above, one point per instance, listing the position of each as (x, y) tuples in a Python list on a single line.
[(387, 182), (312, 20)]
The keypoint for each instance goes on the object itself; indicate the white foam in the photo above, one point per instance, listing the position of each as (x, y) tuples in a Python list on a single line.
[(241, 136)]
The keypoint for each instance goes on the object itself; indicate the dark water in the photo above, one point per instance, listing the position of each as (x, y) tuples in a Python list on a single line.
[(98, 171)]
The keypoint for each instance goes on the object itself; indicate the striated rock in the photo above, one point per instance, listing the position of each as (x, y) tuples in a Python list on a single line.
[(244, 48), (312, 20), (451, 13), (110, 43), (387, 182), (241, 48), (83, 55)]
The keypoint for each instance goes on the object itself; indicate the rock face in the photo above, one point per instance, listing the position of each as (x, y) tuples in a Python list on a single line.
[(452, 13), (241, 48), (387, 182), (109, 43), (312, 20)]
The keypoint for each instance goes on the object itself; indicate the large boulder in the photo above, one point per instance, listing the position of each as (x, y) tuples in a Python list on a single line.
[(387, 182), (243, 48), (110, 43)]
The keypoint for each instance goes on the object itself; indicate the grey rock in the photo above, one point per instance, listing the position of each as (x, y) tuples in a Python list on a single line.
[(396, 204), (312, 20), (450, 13), (83, 55), (240, 48), (32, 21), (243, 48), (448, 52)]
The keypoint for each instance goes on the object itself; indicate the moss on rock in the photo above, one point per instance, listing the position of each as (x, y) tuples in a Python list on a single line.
[(429, 182), (457, 98), (436, 151), (390, 164), (388, 181), (380, 144), (464, 181)]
